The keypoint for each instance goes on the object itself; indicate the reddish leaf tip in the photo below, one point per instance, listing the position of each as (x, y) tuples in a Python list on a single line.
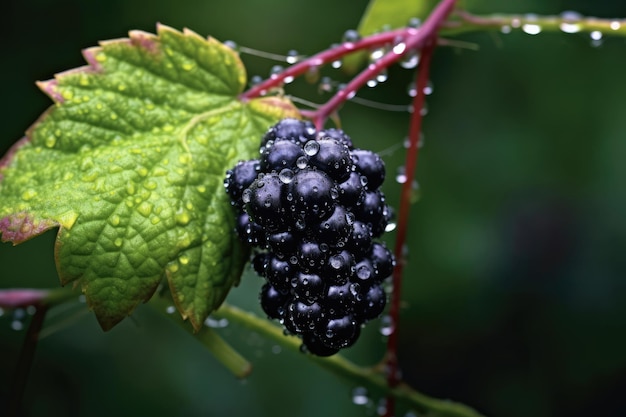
[(20, 227), (50, 87)]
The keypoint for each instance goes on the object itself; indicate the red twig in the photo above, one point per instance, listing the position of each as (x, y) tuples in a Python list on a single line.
[(403, 218), (320, 59)]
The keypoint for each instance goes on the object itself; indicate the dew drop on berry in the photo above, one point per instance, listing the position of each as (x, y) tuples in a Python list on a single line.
[(286, 175), (302, 162), (246, 196), (311, 148)]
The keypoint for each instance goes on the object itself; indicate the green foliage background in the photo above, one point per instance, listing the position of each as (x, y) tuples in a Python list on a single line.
[(515, 292)]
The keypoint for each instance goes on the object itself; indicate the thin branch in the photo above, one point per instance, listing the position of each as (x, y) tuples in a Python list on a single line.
[(403, 217), (567, 22), (370, 376), (25, 361), (408, 41)]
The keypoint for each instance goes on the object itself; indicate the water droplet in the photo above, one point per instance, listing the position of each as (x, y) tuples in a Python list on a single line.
[(615, 25), (506, 29), (411, 90), (414, 22), (29, 194), (570, 24), (381, 410), (276, 349), (114, 220), (276, 69), (410, 60), (531, 28), (231, 44), (336, 64), (311, 148), (183, 218), (401, 175), (355, 291), (363, 272), (390, 227), (17, 325), (386, 325), (216, 323), (336, 261), (351, 35), (286, 176), (428, 89), (399, 48), (302, 162), (372, 83), (50, 141), (596, 38), (118, 242), (326, 85), (292, 57), (330, 334), (382, 76), (376, 54), (360, 396), (300, 224), (170, 310), (246, 196)]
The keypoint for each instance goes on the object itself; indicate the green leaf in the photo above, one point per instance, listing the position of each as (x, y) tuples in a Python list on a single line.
[(383, 15), (129, 164)]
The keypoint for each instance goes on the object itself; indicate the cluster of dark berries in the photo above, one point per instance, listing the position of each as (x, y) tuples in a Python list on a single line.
[(312, 206)]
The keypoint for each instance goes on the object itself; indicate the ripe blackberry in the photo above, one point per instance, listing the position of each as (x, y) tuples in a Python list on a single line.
[(308, 287), (273, 301), (372, 212), (312, 206), (280, 154), (283, 243), (311, 194), (371, 166), (279, 273), (372, 305), (382, 260), (304, 317), (337, 134), (298, 131), (340, 332), (335, 229), (352, 190), (331, 156), (263, 201), (239, 178)]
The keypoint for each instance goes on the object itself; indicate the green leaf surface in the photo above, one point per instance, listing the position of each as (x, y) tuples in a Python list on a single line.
[(129, 164)]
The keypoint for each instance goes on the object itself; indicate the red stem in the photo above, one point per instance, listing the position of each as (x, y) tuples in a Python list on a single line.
[(320, 59), (413, 39), (403, 217)]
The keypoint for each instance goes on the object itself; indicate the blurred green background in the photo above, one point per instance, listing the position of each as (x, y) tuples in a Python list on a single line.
[(515, 292)]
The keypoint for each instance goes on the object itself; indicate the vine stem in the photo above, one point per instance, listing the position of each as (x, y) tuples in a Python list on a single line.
[(42, 300), (371, 377), (567, 22), (403, 218)]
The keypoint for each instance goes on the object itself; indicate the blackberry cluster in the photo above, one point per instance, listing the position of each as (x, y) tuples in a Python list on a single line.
[(311, 204)]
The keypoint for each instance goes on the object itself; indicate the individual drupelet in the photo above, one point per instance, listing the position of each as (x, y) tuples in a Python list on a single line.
[(311, 208)]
